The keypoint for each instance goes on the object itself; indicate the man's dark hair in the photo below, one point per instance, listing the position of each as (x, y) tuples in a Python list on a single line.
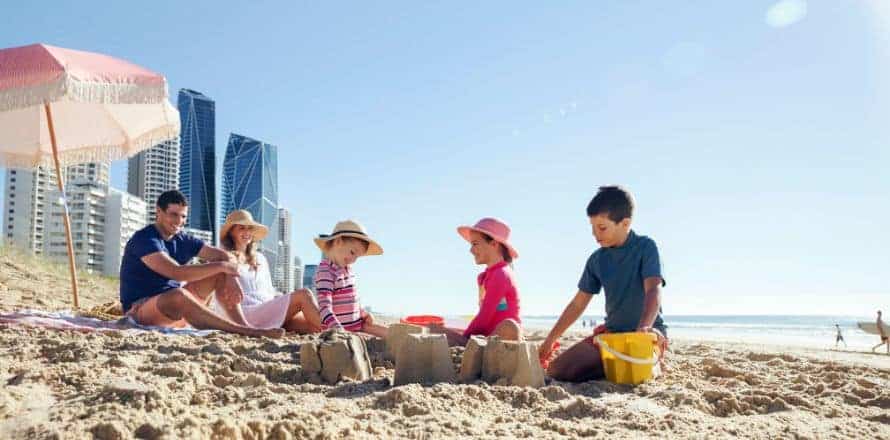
[(172, 197), (614, 201)]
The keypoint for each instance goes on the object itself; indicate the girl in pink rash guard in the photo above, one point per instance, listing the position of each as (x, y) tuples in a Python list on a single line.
[(498, 312)]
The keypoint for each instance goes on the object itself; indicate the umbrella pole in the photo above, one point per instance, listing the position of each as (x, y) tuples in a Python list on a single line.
[(52, 138)]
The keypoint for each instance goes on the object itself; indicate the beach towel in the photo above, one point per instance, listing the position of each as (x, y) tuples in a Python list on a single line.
[(67, 320)]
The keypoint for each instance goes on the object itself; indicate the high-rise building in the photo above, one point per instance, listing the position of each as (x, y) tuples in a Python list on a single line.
[(298, 273), (309, 276), (197, 159), (102, 221), (124, 215), (250, 181), (91, 171), (25, 200), (153, 171), (282, 277), (86, 210)]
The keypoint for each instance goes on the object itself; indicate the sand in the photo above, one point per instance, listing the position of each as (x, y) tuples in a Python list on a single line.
[(62, 384)]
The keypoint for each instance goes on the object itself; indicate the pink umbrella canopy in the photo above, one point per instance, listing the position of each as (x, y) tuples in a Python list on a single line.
[(61, 106), (103, 108)]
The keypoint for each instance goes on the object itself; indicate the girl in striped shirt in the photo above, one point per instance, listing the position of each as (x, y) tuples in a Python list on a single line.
[(338, 300)]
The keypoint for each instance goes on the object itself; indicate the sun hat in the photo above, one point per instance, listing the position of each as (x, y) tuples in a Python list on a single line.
[(243, 217), (494, 228), (349, 228)]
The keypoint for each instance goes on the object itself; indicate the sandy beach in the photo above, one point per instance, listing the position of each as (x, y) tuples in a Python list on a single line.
[(64, 384)]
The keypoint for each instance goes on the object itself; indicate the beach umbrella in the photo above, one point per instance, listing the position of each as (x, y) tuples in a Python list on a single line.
[(60, 107)]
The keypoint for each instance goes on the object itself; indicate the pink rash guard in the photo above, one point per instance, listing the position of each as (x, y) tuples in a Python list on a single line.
[(499, 302)]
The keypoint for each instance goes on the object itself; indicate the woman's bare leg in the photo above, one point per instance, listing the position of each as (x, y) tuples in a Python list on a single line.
[(302, 313)]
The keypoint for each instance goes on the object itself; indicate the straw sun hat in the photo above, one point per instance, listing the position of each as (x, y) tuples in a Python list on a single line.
[(243, 217), (349, 228)]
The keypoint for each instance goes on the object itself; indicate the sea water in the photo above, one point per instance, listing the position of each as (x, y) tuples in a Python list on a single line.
[(800, 331)]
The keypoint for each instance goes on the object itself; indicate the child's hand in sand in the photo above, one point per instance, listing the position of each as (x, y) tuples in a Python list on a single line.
[(546, 351)]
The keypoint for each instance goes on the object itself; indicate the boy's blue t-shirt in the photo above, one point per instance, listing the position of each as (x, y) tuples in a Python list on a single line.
[(620, 271), (137, 280)]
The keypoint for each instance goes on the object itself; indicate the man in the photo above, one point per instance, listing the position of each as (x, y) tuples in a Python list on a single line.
[(839, 337), (885, 339), (159, 288)]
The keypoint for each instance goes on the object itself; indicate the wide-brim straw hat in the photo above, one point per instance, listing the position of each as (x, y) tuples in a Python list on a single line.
[(243, 217), (494, 228), (349, 228)]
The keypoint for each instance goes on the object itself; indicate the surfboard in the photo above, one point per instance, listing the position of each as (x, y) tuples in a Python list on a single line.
[(872, 327)]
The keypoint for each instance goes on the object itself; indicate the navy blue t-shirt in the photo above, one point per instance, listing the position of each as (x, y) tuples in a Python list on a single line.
[(620, 271), (137, 280)]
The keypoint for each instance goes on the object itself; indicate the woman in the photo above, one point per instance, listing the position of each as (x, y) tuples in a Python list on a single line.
[(261, 305)]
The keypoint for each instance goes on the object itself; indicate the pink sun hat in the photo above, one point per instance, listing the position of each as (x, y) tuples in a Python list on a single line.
[(494, 228)]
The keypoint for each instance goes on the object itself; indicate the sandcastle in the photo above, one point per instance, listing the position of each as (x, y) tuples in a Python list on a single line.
[(396, 335), (423, 358), (336, 355), (501, 362)]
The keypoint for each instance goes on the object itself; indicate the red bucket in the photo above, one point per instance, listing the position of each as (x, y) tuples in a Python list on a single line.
[(423, 320)]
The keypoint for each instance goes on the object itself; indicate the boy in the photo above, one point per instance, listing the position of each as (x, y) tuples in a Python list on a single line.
[(628, 269)]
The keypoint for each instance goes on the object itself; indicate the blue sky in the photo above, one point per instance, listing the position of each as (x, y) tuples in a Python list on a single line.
[(755, 142)]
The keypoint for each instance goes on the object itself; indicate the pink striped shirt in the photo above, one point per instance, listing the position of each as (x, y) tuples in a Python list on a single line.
[(338, 302)]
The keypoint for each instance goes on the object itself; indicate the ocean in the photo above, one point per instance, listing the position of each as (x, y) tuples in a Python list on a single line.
[(802, 331)]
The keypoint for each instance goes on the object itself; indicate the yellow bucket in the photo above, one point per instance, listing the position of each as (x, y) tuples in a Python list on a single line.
[(628, 358)]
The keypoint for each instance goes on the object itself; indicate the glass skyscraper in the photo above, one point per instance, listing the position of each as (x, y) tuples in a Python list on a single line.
[(250, 181), (197, 160)]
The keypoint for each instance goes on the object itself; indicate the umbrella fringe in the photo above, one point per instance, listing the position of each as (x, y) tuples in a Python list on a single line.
[(73, 155), (68, 88)]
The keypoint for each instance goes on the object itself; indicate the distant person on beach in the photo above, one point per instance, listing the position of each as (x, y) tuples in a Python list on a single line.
[(159, 288), (885, 339), (261, 306), (839, 338), (628, 268), (338, 300), (498, 313)]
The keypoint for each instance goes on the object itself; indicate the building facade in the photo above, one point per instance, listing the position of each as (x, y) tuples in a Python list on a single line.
[(309, 276), (153, 171), (250, 182), (282, 278), (207, 236), (124, 215), (197, 159), (102, 221), (86, 208), (298, 273), (26, 200)]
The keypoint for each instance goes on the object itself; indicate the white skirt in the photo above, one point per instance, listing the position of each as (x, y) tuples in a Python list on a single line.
[(270, 314)]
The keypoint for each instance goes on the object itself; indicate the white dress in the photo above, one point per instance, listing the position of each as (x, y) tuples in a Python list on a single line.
[(263, 306)]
